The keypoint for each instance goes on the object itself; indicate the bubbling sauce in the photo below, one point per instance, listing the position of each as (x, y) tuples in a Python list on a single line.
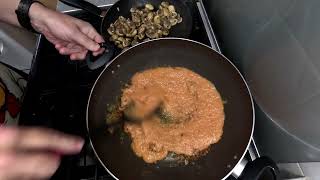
[(178, 110)]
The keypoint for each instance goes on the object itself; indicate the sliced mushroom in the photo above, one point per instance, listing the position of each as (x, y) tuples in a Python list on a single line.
[(158, 26), (149, 7), (160, 33), (121, 39), (150, 16), (171, 9), (132, 33), (119, 32), (166, 23), (111, 29), (140, 12), (152, 34), (126, 42), (157, 19), (141, 29), (137, 24), (146, 39), (141, 36), (166, 12), (173, 21), (126, 28), (113, 37), (133, 10), (124, 49), (134, 42), (165, 32), (165, 4), (121, 18), (179, 18), (174, 14), (145, 10)]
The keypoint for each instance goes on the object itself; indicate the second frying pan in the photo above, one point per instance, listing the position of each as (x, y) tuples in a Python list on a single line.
[(114, 151), (122, 8)]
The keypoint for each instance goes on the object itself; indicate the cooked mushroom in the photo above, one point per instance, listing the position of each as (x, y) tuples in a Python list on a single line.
[(111, 29), (119, 32), (134, 42), (165, 32), (126, 42), (124, 49), (165, 4), (141, 29), (149, 7), (179, 18), (132, 33), (173, 22), (152, 33), (141, 36), (146, 39), (150, 16), (133, 10), (171, 9), (166, 12), (166, 23), (174, 14), (157, 19)]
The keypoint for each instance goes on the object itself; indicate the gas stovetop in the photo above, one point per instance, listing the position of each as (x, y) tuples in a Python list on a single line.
[(58, 90)]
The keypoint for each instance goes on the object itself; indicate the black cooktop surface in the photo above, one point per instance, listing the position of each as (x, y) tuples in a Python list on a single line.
[(57, 94)]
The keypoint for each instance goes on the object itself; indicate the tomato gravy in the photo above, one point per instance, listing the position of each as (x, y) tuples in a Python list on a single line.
[(191, 117)]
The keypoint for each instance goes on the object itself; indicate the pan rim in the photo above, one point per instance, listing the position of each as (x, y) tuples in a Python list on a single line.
[(184, 39)]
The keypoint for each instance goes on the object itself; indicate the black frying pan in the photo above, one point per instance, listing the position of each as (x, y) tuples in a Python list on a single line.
[(122, 8), (114, 151)]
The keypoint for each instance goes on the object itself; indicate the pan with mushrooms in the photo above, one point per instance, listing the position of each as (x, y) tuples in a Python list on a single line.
[(130, 22)]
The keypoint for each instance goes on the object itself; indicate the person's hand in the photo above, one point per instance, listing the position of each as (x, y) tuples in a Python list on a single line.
[(70, 36), (33, 153)]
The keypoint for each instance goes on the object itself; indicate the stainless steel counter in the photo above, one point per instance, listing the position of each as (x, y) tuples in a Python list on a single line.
[(62, 7)]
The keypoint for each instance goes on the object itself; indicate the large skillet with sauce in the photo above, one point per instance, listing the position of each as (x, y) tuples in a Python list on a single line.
[(114, 151)]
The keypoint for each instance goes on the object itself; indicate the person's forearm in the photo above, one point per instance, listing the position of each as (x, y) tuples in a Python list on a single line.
[(7, 11), (37, 12)]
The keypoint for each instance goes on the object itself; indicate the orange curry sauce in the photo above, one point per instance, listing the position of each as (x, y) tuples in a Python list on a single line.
[(192, 108)]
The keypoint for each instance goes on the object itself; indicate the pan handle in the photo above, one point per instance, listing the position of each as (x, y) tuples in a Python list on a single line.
[(84, 5), (254, 169), (94, 63)]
